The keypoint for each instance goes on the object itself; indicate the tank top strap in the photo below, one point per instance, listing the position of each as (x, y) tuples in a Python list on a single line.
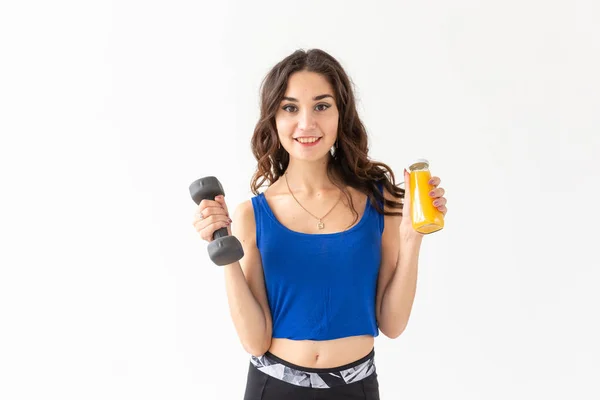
[(262, 215), (380, 217), (371, 213), (380, 187)]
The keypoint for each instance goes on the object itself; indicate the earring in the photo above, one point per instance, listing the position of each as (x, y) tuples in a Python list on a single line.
[(333, 149)]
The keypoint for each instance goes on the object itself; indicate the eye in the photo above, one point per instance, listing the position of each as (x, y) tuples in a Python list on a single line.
[(324, 105), (287, 107)]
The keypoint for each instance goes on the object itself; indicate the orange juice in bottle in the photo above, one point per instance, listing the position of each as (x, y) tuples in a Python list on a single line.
[(426, 218)]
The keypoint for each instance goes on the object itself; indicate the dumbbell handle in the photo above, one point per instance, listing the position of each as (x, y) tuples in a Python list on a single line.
[(219, 233)]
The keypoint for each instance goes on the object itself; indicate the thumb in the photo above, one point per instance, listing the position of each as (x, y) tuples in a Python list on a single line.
[(406, 208), (221, 200)]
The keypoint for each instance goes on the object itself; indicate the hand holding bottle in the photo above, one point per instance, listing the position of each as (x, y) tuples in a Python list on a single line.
[(424, 202)]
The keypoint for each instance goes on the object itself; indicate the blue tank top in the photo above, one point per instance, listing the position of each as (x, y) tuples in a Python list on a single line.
[(320, 286)]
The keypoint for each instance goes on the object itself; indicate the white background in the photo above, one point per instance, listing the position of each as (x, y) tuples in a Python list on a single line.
[(109, 110)]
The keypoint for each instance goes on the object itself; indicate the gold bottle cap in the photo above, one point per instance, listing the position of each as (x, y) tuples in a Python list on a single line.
[(419, 163)]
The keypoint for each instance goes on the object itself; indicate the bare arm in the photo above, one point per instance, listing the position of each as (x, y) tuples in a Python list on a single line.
[(397, 277), (245, 287)]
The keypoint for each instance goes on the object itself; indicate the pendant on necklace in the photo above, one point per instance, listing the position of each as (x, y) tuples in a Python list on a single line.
[(320, 225)]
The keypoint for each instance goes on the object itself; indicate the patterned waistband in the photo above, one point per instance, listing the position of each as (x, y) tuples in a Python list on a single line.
[(315, 378)]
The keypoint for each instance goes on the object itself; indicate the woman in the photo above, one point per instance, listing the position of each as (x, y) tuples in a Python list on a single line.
[(329, 261)]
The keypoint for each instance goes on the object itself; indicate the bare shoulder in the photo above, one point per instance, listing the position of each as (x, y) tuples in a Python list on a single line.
[(244, 226)]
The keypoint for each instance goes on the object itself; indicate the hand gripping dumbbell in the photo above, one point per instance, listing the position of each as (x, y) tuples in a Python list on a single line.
[(224, 249)]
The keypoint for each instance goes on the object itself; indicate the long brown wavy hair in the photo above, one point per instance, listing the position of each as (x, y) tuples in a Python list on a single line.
[(350, 165)]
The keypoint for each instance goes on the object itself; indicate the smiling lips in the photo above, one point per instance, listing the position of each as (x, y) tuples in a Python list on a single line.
[(308, 140)]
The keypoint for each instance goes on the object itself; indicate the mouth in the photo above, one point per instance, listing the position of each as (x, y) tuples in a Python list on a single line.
[(308, 141)]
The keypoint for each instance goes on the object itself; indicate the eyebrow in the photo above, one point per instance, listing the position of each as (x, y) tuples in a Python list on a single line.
[(316, 98)]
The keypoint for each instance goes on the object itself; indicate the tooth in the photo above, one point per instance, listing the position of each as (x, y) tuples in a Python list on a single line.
[(307, 140)]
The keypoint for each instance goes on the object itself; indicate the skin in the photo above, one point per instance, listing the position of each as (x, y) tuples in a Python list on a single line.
[(310, 111)]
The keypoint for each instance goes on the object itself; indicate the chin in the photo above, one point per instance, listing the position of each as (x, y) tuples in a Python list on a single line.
[(310, 157)]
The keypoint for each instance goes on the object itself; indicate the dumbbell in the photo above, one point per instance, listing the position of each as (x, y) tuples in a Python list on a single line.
[(224, 249)]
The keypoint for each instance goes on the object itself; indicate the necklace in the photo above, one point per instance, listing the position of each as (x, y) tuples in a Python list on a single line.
[(320, 224)]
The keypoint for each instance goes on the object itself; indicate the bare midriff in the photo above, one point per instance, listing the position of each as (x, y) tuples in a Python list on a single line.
[(322, 354)]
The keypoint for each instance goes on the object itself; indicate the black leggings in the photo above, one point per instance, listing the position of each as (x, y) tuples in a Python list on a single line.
[(271, 378)]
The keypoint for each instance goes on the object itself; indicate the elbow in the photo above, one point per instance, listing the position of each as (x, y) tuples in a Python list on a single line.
[(392, 332), (254, 351), (258, 347)]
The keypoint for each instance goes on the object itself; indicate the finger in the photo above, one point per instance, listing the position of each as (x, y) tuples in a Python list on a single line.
[(437, 192), (406, 200), (207, 212), (208, 232), (210, 220), (221, 200), (217, 210), (406, 181), (443, 209), (208, 203), (197, 217), (434, 181), (439, 202)]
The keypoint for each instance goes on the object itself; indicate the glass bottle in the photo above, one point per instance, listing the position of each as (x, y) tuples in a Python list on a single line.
[(426, 218)]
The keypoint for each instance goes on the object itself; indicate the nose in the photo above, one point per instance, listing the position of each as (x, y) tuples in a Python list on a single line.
[(306, 120)]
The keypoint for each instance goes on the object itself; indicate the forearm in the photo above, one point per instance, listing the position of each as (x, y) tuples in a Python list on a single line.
[(247, 314), (399, 295)]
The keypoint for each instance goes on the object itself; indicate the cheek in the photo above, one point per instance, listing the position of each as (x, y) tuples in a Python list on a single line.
[(285, 126), (329, 125)]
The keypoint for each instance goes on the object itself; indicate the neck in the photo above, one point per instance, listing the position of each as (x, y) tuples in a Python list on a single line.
[(308, 177)]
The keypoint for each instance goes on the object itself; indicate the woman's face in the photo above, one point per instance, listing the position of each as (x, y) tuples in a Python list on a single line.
[(307, 118)]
